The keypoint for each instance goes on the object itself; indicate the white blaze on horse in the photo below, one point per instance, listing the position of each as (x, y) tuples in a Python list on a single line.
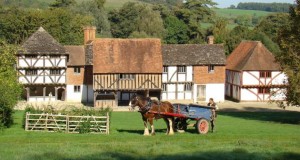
[(150, 110)]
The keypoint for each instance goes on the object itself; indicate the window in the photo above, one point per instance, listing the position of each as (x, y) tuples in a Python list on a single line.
[(30, 56), (211, 69), (181, 69), (127, 76), (165, 69), (188, 87), (264, 90), (54, 56), (164, 87), (76, 89), (77, 70), (31, 72), (265, 74), (54, 72)]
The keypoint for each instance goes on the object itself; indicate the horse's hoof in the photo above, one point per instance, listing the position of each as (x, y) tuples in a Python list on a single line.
[(147, 134)]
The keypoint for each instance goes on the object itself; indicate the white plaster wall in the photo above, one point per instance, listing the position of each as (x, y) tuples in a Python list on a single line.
[(215, 91), (172, 73), (164, 95), (164, 77), (72, 96), (39, 63), (279, 79), (22, 63), (188, 95), (249, 79), (189, 74), (246, 95), (279, 95)]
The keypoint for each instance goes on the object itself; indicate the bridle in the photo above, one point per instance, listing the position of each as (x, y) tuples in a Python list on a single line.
[(142, 108)]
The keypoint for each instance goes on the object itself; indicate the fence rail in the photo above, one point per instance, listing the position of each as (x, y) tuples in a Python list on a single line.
[(66, 123)]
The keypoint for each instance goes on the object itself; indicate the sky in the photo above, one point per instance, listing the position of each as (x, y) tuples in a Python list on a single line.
[(227, 3)]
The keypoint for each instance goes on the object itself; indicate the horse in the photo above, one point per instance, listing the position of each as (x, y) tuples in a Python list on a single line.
[(150, 110)]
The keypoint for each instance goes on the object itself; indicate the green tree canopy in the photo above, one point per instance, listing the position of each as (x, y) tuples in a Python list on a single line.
[(138, 18), (62, 3), (10, 89), (63, 24), (289, 58)]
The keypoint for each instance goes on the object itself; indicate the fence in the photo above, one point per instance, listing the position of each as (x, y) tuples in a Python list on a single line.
[(66, 123)]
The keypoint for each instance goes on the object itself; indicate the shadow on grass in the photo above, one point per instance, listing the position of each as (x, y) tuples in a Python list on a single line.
[(211, 155), (140, 132), (277, 117)]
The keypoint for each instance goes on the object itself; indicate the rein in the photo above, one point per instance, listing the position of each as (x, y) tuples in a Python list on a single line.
[(147, 107)]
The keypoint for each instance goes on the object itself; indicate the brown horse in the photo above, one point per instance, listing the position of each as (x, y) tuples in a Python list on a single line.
[(151, 110)]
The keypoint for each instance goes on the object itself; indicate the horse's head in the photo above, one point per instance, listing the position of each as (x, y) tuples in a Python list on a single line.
[(134, 101)]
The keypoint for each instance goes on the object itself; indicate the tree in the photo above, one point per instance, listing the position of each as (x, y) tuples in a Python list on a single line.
[(63, 24), (191, 13), (276, 21), (289, 58), (176, 31), (95, 8), (10, 89), (138, 18), (219, 30)]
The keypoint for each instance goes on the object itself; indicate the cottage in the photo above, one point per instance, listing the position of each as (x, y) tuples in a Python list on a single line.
[(252, 74), (193, 72), (41, 66), (79, 76), (123, 67)]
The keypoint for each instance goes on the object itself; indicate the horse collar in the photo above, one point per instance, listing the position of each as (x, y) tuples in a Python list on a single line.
[(146, 108)]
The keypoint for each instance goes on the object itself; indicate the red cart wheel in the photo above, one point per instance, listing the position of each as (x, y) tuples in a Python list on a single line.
[(202, 126)]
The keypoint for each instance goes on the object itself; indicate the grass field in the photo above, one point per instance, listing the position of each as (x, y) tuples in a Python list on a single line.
[(232, 13), (238, 136)]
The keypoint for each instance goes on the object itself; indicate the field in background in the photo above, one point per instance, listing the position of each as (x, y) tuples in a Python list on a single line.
[(239, 135)]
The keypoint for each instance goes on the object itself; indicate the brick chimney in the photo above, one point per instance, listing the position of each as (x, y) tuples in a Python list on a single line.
[(89, 33), (210, 40)]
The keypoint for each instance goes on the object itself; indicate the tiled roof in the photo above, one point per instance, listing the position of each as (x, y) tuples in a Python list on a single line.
[(251, 56), (41, 42), (76, 55), (127, 56), (193, 54)]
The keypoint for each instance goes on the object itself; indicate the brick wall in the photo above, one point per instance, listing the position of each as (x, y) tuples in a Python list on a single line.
[(201, 75), (75, 78)]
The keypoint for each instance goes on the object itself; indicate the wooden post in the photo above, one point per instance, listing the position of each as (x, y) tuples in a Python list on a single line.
[(28, 93), (67, 123), (44, 93), (46, 122), (107, 123), (56, 88), (26, 121)]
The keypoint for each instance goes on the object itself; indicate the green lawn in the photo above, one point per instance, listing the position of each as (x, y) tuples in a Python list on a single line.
[(238, 136)]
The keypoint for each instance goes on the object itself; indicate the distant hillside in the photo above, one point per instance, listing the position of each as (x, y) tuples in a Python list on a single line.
[(110, 4), (233, 13)]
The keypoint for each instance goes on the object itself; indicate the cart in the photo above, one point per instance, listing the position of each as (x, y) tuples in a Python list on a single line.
[(183, 112)]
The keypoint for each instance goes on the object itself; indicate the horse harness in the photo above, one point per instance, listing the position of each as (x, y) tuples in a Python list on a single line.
[(148, 107)]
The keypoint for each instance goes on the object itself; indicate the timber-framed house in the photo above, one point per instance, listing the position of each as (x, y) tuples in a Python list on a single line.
[(123, 67), (252, 74), (193, 72), (41, 66)]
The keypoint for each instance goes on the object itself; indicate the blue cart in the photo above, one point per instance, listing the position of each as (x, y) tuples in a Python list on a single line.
[(201, 114)]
